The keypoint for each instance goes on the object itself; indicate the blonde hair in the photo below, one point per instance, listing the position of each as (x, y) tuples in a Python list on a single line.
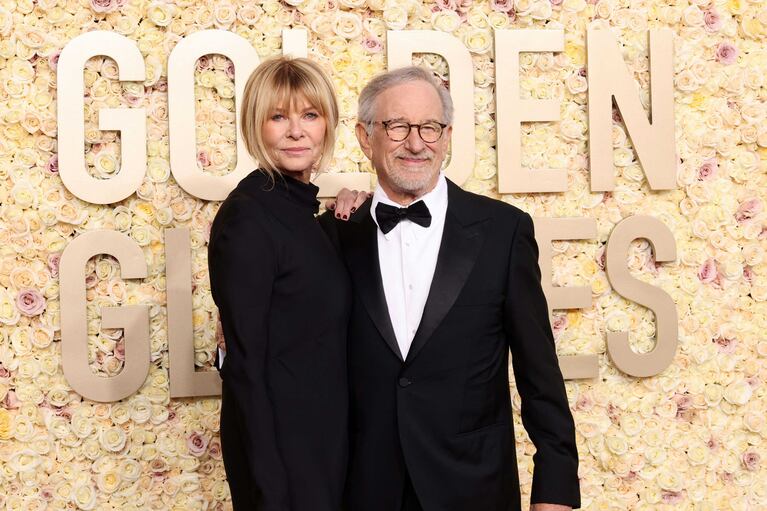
[(280, 81)]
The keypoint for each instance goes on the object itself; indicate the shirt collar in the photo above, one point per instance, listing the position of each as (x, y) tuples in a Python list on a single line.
[(435, 200)]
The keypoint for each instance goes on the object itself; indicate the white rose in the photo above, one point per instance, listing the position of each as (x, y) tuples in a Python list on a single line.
[(738, 392), (347, 25), (112, 439), (446, 21)]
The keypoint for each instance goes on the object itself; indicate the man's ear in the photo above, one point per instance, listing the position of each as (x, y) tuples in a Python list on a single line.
[(363, 139)]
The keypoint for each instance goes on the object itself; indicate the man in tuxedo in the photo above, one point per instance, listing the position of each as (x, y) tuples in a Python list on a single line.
[(446, 284)]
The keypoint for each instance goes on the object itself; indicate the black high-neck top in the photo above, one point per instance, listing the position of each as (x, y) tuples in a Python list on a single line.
[(294, 190), (284, 299)]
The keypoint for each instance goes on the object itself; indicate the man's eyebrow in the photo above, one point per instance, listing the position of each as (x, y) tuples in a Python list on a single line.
[(402, 119)]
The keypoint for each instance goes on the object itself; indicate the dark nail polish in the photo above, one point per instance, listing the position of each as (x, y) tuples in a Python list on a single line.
[(338, 216), (346, 217), (354, 209)]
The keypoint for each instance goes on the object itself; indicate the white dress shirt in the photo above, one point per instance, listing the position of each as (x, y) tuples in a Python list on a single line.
[(408, 256)]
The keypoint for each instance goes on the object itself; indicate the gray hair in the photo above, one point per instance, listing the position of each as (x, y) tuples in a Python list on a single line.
[(384, 81)]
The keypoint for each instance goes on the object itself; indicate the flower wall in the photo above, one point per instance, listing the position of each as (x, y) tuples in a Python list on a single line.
[(692, 437)]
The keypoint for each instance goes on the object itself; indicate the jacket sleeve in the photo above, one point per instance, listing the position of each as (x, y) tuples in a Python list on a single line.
[(243, 264), (545, 410)]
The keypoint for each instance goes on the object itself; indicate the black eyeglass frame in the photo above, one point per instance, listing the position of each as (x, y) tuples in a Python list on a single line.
[(410, 126)]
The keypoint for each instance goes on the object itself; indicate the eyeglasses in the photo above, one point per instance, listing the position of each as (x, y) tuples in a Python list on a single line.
[(397, 130)]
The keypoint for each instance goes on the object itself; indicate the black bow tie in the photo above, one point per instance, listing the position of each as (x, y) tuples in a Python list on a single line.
[(389, 216)]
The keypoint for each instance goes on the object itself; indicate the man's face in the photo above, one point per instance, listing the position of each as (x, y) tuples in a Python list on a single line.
[(410, 168)]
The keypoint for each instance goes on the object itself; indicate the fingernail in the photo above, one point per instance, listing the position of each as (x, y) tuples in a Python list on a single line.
[(345, 217), (338, 216), (332, 207), (354, 209)]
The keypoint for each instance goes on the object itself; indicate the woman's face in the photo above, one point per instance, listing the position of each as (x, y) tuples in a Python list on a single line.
[(293, 137)]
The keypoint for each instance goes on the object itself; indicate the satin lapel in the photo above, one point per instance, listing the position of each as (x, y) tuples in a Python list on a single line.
[(361, 251), (457, 254)]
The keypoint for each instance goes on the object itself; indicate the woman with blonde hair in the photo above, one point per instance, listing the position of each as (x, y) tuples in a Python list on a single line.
[(284, 299)]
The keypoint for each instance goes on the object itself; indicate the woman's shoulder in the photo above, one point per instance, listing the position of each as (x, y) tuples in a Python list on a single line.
[(246, 206)]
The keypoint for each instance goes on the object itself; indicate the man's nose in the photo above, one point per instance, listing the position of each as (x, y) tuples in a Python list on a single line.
[(414, 142)]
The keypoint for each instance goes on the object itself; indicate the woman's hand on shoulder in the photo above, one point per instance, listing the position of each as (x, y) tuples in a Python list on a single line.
[(346, 202)]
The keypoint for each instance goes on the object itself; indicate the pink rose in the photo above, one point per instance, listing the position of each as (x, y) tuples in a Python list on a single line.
[(204, 63), (52, 165), (601, 257), (161, 85), (214, 449), (726, 53), (53, 60), (120, 350), (30, 302), (53, 264), (751, 460), (558, 324), (11, 402), (708, 273), (672, 497), (4, 372), (229, 70), (202, 158), (748, 209), (372, 44), (106, 5), (726, 346), (707, 169), (748, 273), (584, 403), (502, 5), (197, 444), (556, 2), (712, 19), (133, 100)]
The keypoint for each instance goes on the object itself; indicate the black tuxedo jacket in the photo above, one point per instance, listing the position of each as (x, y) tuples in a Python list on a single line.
[(443, 414)]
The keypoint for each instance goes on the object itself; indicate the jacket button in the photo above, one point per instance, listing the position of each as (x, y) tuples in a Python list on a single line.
[(404, 382)]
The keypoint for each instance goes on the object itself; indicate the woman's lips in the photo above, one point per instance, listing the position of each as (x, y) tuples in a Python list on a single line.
[(295, 150)]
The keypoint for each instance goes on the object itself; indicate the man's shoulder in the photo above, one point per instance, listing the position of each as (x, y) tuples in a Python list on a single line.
[(484, 205)]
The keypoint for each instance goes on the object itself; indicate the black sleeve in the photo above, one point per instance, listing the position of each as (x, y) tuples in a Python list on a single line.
[(545, 411), (243, 265)]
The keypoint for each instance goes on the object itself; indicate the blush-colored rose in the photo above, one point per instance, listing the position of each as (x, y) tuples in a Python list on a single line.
[(53, 264), (748, 209), (672, 497), (707, 169), (726, 345), (11, 402), (106, 5), (30, 302), (197, 444), (372, 44), (726, 53), (52, 165), (214, 449), (502, 5), (558, 324), (712, 20), (751, 460), (708, 271), (53, 60), (202, 158)]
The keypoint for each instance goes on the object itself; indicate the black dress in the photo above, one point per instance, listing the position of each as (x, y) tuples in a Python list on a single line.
[(284, 301)]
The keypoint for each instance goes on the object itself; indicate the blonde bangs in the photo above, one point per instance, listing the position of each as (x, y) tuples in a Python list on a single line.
[(282, 82)]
